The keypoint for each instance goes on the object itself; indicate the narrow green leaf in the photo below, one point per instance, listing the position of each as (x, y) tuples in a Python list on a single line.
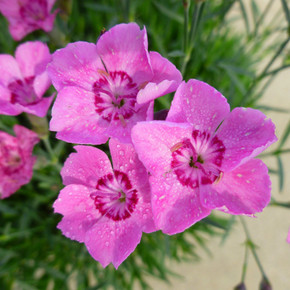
[(168, 12), (176, 53), (286, 10), (284, 137), (99, 7), (272, 109), (255, 11), (281, 173), (245, 16), (236, 69), (235, 80)]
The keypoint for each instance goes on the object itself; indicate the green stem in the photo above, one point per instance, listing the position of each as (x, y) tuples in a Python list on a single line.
[(264, 13), (185, 30), (282, 204), (54, 159), (250, 244), (245, 265), (197, 12), (276, 152), (126, 9)]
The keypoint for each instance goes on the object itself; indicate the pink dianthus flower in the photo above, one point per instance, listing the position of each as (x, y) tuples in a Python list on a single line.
[(24, 80), (106, 208), (202, 158), (104, 89), (16, 160), (25, 16)]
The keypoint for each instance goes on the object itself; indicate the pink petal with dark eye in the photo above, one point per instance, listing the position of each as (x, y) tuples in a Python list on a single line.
[(245, 133), (154, 140), (6, 108), (85, 167), (40, 108), (245, 190), (198, 104), (125, 159)]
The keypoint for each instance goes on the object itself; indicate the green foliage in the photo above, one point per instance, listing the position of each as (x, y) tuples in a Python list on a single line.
[(200, 42)]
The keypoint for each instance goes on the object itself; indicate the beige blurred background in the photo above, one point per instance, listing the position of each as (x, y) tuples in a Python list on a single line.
[(222, 270)]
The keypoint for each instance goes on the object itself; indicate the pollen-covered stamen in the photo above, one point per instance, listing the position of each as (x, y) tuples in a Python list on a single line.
[(114, 197), (22, 92), (115, 95), (10, 157), (198, 160)]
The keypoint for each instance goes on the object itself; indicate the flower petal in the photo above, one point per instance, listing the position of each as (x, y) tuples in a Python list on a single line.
[(245, 190), (175, 207), (75, 65), (125, 159), (75, 119), (79, 211), (165, 80), (9, 69), (6, 108), (245, 133), (39, 109), (199, 104), (121, 129), (32, 58), (26, 138), (112, 242), (124, 48), (86, 166), (153, 141)]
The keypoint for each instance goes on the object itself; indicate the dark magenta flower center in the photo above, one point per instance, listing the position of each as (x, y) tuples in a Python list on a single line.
[(34, 11), (198, 160), (115, 198), (115, 95), (10, 157), (22, 92)]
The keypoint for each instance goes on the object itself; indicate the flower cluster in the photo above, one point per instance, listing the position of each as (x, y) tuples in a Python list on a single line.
[(167, 174), (169, 170), (16, 161), (25, 16), (24, 80)]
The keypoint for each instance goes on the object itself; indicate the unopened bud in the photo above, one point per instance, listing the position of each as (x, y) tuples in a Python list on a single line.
[(241, 286), (265, 284)]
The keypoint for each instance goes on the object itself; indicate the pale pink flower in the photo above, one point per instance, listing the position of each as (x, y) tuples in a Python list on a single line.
[(16, 160), (106, 208), (25, 16), (288, 238), (105, 89), (202, 158), (24, 80)]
